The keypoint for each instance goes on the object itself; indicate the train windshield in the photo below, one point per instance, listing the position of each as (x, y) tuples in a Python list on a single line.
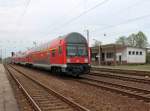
[(77, 50), (71, 50)]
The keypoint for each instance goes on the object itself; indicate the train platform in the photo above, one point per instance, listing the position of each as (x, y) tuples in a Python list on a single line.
[(7, 98)]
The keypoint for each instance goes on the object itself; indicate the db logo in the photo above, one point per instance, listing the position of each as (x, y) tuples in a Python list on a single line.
[(77, 60)]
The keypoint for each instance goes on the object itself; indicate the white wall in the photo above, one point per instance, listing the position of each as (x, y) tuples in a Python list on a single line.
[(123, 55), (136, 58), (130, 58)]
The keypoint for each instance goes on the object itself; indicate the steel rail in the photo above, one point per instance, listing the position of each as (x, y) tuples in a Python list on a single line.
[(121, 77), (134, 92), (63, 98), (31, 100), (123, 71)]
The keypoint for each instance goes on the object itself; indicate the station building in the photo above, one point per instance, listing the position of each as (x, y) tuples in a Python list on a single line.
[(113, 54)]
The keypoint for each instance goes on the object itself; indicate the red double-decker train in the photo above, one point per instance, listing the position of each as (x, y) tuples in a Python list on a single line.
[(69, 54)]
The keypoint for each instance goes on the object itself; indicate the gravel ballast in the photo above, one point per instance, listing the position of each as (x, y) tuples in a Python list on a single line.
[(93, 98)]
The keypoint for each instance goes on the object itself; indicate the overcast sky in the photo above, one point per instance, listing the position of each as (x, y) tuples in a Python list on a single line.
[(25, 21)]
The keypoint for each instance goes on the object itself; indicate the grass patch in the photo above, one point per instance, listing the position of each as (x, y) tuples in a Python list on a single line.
[(145, 67)]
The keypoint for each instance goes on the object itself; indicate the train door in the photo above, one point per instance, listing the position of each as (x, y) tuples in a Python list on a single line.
[(48, 57)]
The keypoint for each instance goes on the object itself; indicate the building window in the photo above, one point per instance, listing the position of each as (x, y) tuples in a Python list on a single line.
[(133, 52), (129, 52), (141, 53), (109, 55), (137, 53)]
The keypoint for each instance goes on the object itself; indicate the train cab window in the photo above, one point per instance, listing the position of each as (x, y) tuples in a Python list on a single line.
[(140, 52), (71, 50), (60, 50), (53, 53), (77, 50), (82, 51)]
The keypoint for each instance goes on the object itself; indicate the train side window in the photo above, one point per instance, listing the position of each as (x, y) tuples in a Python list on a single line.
[(60, 49), (53, 53)]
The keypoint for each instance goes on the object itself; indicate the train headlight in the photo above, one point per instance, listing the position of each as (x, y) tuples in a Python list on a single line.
[(86, 60), (68, 60)]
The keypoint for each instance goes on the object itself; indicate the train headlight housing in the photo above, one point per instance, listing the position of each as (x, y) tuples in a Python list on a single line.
[(68, 60), (86, 60)]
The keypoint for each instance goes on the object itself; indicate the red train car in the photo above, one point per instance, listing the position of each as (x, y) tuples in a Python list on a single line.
[(69, 54)]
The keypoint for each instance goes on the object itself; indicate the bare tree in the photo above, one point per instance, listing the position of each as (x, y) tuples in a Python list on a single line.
[(141, 40), (122, 40), (136, 40)]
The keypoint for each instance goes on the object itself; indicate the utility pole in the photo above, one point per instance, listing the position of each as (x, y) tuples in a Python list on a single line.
[(1, 53), (87, 32), (99, 51), (35, 43), (99, 60)]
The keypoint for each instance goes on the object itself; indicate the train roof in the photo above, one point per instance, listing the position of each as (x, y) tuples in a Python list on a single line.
[(75, 37), (71, 38)]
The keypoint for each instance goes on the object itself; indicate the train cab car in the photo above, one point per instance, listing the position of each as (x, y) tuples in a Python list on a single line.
[(77, 59), (68, 54)]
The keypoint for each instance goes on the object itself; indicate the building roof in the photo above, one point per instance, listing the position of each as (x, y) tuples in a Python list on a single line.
[(112, 47), (117, 46)]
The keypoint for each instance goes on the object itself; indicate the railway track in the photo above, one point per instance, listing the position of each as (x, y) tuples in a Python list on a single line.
[(131, 91), (122, 71), (40, 96), (125, 77)]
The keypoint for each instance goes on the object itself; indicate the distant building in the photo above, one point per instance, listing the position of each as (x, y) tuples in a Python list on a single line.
[(112, 54)]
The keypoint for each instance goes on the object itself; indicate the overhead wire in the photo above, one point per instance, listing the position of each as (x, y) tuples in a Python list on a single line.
[(132, 6), (124, 22), (88, 10), (24, 11), (85, 12), (129, 20), (80, 15), (66, 14), (19, 21)]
